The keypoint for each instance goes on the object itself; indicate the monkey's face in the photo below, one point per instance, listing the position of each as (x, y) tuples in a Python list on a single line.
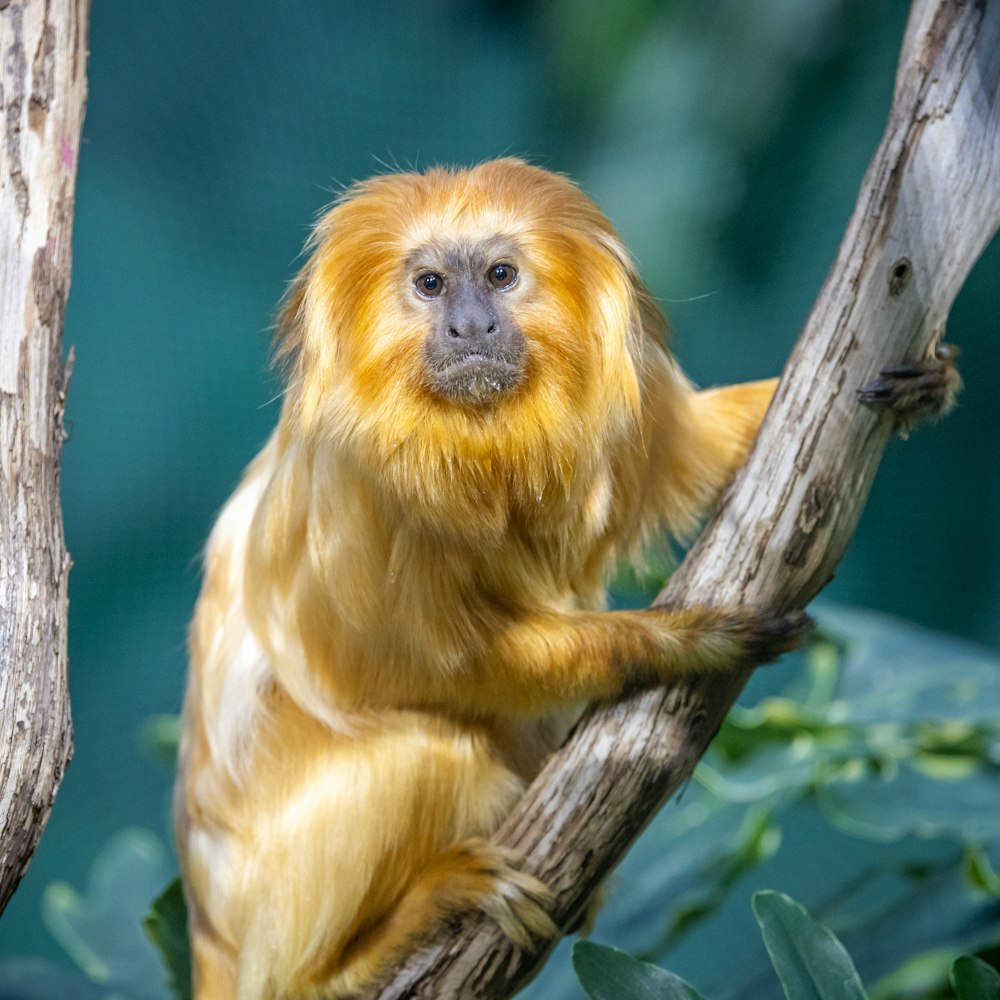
[(474, 349), (488, 317)]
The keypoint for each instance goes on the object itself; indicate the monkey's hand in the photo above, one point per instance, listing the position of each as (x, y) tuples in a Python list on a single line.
[(917, 392), (724, 637), (766, 635)]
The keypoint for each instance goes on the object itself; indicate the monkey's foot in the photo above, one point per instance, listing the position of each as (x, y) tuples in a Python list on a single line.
[(917, 392), (472, 874), (517, 902)]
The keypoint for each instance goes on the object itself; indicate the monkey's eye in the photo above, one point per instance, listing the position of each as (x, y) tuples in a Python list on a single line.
[(502, 275), (430, 285)]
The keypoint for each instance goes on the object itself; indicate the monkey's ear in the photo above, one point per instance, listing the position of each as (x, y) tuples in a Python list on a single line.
[(651, 322), (291, 327), (289, 332)]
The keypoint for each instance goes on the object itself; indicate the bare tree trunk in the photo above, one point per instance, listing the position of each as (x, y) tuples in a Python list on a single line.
[(928, 206), (44, 50)]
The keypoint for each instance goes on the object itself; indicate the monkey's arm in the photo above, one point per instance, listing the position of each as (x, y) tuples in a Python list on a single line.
[(695, 441), (917, 392), (541, 658), (537, 661), (728, 418)]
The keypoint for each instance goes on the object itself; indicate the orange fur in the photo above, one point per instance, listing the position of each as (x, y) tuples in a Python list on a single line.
[(402, 607)]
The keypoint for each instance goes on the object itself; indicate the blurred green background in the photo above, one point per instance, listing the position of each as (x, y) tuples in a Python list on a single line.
[(725, 140)]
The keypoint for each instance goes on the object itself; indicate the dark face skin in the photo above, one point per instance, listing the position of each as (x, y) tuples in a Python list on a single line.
[(475, 351)]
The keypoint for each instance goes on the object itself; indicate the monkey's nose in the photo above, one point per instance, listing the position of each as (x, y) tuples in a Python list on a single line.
[(471, 330)]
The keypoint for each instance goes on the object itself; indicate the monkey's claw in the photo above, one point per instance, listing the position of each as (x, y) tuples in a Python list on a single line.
[(917, 392)]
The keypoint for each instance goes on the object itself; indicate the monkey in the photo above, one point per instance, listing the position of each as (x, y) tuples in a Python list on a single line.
[(404, 601)]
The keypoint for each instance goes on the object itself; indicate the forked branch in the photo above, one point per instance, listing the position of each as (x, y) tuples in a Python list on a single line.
[(928, 206)]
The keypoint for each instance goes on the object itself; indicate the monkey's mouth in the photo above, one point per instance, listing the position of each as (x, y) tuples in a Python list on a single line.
[(475, 376)]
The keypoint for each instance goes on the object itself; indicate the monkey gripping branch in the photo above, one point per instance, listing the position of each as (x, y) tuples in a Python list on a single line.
[(928, 206)]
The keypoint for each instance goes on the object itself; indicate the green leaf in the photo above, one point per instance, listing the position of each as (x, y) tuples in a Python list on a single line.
[(811, 963), (923, 975), (166, 924), (895, 671), (981, 873), (912, 796), (159, 737), (609, 974), (973, 979), (101, 930), (786, 758)]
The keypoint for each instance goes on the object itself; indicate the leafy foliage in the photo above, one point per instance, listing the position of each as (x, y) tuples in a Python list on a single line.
[(609, 974), (101, 930), (808, 958), (166, 924), (973, 979)]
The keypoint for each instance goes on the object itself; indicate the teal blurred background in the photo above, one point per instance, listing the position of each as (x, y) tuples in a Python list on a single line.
[(725, 140)]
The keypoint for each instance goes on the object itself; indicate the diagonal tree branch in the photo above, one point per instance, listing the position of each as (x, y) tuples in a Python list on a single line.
[(928, 206), (42, 91)]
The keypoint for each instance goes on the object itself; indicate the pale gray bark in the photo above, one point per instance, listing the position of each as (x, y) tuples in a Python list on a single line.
[(929, 204), (43, 80)]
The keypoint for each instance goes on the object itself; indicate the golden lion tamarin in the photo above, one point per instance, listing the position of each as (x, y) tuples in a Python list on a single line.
[(403, 601)]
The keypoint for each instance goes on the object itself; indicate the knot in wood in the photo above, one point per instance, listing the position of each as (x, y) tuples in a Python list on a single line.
[(899, 276)]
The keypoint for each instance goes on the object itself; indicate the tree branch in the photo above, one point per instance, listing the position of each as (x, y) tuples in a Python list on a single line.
[(929, 204), (43, 94)]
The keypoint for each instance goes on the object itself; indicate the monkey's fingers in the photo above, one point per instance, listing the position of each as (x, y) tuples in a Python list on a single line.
[(917, 392), (767, 635)]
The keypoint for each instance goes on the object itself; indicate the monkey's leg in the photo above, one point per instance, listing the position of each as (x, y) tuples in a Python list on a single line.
[(213, 965), (367, 848), (916, 392), (467, 876)]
